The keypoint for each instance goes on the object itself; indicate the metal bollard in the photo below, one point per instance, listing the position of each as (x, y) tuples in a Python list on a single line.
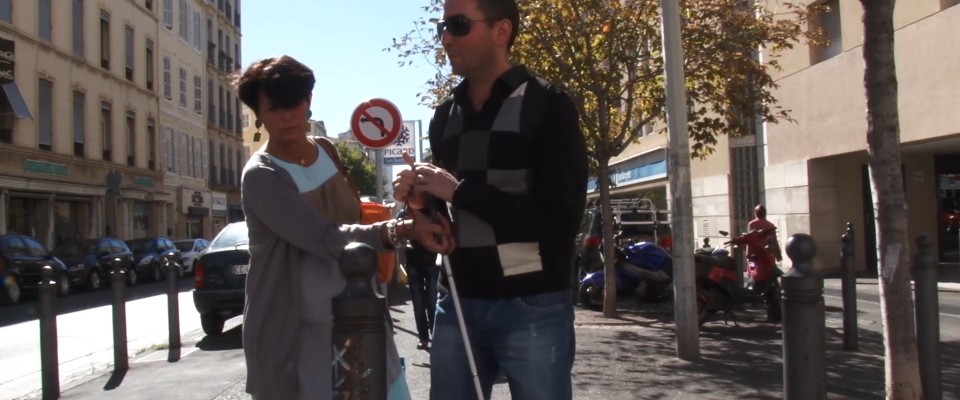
[(849, 291), (928, 317), (118, 281), (359, 334), (49, 360), (804, 341), (173, 305)]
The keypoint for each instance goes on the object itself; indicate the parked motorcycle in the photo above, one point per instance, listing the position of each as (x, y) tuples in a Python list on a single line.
[(717, 288), (644, 270)]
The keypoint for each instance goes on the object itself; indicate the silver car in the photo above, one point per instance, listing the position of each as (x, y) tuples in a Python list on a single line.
[(189, 250)]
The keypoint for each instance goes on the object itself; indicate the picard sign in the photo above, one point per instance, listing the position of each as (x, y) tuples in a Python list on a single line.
[(7, 58)]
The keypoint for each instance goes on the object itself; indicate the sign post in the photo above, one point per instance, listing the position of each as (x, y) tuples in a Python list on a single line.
[(376, 124)]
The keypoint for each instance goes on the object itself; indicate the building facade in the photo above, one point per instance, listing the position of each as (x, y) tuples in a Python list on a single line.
[(812, 175), (79, 119), (221, 27), (183, 131)]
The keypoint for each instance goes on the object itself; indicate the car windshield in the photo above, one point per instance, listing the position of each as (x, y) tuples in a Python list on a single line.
[(184, 245), (232, 236), (142, 245), (75, 249)]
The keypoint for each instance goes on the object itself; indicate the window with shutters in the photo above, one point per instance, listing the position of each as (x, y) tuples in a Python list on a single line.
[(184, 22), (128, 51), (106, 131), (167, 94), (197, 94), (77, 27), (169, 142), (168, 14), (183, 87), (104, 39), (79, 123), (45, 111), (131, 129), (149, 66), (151, 144)]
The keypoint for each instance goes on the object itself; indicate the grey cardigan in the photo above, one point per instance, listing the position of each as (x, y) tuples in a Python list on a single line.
[(284, 227)]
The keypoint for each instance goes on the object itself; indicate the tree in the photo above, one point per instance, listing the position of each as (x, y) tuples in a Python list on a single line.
[(361, 169), (883, 141), (606, 54)]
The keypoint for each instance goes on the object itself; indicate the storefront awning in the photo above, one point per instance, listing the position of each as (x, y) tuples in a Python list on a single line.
[(19, 106)]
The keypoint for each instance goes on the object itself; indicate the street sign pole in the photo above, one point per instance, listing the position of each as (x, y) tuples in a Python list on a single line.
[(678, 167), (380, 173)]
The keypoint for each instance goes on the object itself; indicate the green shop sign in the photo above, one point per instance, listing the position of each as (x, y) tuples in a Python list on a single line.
[(46, 168), (143, 181)]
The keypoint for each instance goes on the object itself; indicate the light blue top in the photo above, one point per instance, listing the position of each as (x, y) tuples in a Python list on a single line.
[(311, 176)]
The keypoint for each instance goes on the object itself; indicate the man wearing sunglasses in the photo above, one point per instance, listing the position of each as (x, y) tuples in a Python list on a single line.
[(511, 162)]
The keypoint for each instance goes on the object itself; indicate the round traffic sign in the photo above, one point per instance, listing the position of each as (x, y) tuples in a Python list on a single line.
[(376, 123)]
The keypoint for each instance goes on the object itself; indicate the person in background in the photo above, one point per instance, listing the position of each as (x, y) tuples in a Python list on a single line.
[(423, 272), (511, 161), (301, 212)]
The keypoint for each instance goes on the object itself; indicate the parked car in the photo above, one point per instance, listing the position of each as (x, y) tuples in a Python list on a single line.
[(220, 274), (21, 261), (189, 250), (152, 254), (90, 261)]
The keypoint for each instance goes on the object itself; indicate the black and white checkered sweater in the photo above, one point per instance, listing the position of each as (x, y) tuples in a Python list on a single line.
[(522, 162)]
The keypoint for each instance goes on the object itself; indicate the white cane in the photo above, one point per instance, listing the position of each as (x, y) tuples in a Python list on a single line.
[(463, 327)]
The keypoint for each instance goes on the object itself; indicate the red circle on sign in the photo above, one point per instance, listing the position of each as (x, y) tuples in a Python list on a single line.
[(362, 116)]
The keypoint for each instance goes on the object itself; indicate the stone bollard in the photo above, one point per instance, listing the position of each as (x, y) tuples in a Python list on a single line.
[(849, 290), (359, 333), (804, 374), (49, 360), (928, 317), (173, 305), (118, 281)]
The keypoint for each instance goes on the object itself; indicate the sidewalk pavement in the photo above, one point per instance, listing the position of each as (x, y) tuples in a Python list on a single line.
[(630, 357)]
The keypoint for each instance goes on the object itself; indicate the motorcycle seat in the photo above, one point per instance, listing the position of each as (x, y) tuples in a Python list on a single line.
[(727, 263)]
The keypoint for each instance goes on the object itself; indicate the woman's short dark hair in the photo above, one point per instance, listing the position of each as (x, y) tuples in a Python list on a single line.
[(502, 9), (284, 80)]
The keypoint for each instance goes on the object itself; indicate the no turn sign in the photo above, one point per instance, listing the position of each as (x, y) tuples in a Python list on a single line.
[(376, 123)]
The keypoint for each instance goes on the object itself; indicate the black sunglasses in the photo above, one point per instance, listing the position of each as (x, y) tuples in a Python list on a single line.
[(457, 25)]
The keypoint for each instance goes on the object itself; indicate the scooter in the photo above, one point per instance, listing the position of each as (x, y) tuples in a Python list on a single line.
[(644, 270), (717, 288)]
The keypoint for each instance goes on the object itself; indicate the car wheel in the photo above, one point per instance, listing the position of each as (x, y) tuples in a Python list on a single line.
[(11, 291), (93, 281), (63, 285), (132, 276), (591, 296), (211, 323)]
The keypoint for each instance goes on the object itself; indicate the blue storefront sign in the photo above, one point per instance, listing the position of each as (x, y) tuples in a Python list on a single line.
[(647, 167)]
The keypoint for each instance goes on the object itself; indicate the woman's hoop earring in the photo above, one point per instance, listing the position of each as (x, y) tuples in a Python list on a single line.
[(256, 135)]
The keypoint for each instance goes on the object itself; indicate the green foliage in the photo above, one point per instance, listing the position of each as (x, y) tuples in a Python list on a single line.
[(608, 56), (361, 169)]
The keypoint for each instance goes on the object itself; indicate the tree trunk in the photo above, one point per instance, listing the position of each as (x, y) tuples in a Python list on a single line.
[(883, 139), (609, 244)]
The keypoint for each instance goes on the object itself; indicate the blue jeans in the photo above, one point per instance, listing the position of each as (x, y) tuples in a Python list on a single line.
[(422, 280), (531, 339)]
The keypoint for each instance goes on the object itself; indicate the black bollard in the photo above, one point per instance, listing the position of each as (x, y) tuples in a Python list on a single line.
[(359, 334), (49, 360), (117, 283), (804, 374), (173, 304), (849, 291), (928, 318)]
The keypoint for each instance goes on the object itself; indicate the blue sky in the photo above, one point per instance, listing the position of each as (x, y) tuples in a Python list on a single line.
[(343, 42)]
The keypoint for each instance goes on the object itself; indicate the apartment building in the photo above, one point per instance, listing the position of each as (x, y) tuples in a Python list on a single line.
[(812, 175), (225, 150), (78, 120)]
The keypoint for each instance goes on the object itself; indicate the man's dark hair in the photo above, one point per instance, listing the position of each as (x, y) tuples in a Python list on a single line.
[(502, 9), (285, 81), (760, 211)]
